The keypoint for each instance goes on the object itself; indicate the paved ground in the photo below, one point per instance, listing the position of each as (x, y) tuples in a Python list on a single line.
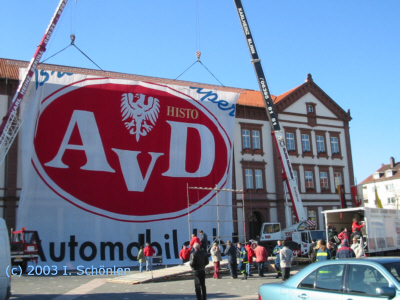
[(104, 287)]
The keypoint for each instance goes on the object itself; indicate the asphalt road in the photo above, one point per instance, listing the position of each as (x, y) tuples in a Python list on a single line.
[(96, 287)]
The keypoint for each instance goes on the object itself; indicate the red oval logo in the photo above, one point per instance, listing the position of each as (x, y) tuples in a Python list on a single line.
[(129, 152)]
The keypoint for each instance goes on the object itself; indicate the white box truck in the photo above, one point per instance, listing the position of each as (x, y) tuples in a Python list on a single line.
[(381, 232)]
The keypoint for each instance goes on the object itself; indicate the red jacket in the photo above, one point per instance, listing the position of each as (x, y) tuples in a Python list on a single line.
[(250, 253), (344, 235), (356, 227), (149, 251), (194, 240), (184, 253), (261, 254)]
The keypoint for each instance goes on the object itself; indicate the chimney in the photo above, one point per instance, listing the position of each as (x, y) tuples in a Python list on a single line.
[(392, 163)]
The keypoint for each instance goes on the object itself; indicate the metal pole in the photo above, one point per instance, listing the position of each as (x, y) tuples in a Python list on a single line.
[(187, 190)]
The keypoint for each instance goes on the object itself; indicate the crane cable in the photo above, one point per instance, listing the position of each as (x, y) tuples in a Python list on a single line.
[(198, 47), (72, 37)]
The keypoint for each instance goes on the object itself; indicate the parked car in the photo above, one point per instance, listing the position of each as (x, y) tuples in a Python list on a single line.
[(361, 278)]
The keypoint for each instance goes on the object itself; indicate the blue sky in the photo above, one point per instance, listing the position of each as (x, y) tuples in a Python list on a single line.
[(351, 48)]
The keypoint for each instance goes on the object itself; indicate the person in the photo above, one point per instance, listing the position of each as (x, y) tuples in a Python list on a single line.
[(141, 259), (356, 226), (275, 252), (323, 253), (216, 258), (250, 255), (311, 252), (230, 251), (357, 248), (344, 235), (243, 260), (198, 263), (184, 254), (332, 248), (344, 251), (286, 258), (194, 240), (203, 240), (149, 252), (261, 257)]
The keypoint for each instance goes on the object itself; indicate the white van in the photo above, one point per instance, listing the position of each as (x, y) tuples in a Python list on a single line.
[(5, 261)]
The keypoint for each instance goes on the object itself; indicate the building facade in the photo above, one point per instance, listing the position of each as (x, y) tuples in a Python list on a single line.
[(383, 185), (317, 138)]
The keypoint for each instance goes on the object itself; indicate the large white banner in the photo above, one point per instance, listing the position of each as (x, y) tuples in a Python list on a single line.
[(107, 164)]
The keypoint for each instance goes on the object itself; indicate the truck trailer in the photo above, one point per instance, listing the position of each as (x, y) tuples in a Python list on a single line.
[(381, 230)]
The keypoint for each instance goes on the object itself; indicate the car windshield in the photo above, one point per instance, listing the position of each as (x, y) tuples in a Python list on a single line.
[(318, 235), (394, 269)]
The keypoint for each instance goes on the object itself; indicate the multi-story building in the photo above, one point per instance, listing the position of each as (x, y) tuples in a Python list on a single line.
[(317, 137), (318, 141), (384, 184)]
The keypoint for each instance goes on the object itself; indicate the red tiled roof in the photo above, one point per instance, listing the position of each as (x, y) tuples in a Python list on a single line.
[(10, 69), (383, 169)]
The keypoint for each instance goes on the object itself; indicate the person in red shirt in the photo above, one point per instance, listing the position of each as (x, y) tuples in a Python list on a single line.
[(184, 254), (356, 226), (344, 235), (261, 257), (194, 240), (149, 252), (250, 254)]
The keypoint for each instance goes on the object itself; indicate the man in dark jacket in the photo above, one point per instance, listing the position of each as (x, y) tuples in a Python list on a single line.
[(345, 251), (311, 252), (198, 262), (203, 240), (230, 251)]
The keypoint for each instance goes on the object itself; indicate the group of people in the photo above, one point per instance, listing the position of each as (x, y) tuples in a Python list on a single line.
[(246, 254), (348, 245)]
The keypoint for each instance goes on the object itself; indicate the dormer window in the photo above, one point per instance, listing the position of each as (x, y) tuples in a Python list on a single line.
[(389, 173), (377, 175)]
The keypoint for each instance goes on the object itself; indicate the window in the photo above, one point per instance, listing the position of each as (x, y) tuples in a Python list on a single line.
[(389, 187), (256, 139), (335, 145), (259, 179), (323, 179), (254, 176), (305, 142), (251, 138), (310, 108), (249, 179), (326, 278), (365, 280), (391, 200), (246, 139), (290, 141), (309, 178), (320, 144)]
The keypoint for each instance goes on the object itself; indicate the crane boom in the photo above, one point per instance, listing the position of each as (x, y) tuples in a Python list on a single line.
[(279, 139), (11, 122)]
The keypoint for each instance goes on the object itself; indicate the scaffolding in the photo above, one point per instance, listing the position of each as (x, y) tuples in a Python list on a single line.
[(218, 238)]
